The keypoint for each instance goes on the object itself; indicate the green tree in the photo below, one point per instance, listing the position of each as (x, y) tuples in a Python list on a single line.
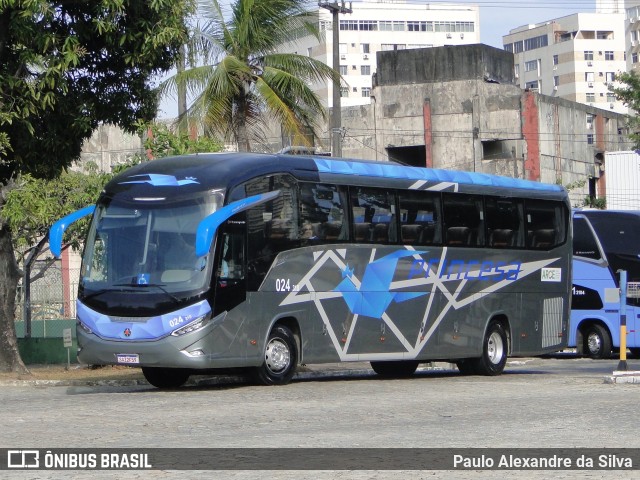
[(241, 82), (65, 67), (162, 142), (629, 94)]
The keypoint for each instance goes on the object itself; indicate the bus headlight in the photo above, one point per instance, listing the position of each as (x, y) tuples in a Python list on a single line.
[(83, 326), (197, 324)]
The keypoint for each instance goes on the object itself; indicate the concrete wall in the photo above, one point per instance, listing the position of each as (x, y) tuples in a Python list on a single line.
[(459, 108)]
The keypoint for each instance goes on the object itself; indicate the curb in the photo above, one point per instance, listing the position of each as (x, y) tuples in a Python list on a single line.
[(623, 376)]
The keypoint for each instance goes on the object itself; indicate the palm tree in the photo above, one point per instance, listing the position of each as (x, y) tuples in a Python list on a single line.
[(241, 82)]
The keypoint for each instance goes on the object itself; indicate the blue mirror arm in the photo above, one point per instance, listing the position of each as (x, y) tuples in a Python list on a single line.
[(57, 229), (209, 225)]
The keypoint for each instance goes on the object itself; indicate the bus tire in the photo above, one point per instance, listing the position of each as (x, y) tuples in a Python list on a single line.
[(494, 351), (280, 358), (165, 377), (401, 368), (597, 342)]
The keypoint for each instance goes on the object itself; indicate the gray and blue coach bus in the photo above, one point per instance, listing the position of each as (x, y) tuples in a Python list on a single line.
[(265, 262)]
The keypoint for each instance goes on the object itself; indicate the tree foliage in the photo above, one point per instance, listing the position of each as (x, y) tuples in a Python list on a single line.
[(629, 94), (162, 142), (239, 80), (65, 67)]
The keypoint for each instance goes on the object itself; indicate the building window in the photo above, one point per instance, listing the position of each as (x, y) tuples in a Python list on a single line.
[(589, 76), (364, 48), (309, 52), (634, 57), (392, 46), (343, 48), (348, 25), (398, 26), (590, 138), (366, 91), (365, 69), (368, 25), (590, 117), (414, 26), (385, 25), (343, 70), (555, 59), (591, 97), (355, 89), (634, 35), (535, 42), (610, 77), (516, 69), (344, 91), (517, 47), (531, 66), (532, 85), (608, 55), (611, 97), (556, 81), (588, 54)]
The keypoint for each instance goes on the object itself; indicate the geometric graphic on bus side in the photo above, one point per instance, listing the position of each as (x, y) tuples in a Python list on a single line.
[(427, 277)]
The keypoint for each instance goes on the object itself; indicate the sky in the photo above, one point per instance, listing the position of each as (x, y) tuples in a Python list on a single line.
[(497, 17)]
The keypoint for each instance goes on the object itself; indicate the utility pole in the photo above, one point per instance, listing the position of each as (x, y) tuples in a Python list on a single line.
[(336, 117)]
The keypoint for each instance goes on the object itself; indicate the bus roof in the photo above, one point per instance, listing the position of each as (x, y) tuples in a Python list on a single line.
[(198, 172)]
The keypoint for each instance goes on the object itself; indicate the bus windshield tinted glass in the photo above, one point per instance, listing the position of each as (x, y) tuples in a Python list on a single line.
[(618, 234), (139, 246)]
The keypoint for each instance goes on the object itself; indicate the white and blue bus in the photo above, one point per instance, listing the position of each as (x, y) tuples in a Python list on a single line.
[(604, 243), (201, 263)]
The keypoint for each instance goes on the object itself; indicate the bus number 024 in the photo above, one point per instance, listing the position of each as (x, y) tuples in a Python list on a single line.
[(284, 285)]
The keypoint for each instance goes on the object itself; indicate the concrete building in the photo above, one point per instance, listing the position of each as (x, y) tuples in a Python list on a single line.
[(381, 25), (574, 57), (632, 37), (461, 108)]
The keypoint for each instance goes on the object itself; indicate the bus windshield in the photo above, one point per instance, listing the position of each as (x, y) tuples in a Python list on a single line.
[(618, 233), (146, 248)]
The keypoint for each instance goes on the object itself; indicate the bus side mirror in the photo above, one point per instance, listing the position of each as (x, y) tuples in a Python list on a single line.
[(57, 229), (208, 225)]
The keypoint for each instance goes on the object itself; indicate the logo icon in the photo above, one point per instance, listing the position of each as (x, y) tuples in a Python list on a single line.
[(159, 180), (373, 297), (23, 459), (127, 332)]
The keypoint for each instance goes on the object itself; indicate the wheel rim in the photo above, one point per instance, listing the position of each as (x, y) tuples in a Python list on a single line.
[(277, 355), (495, 348), (594, 342)]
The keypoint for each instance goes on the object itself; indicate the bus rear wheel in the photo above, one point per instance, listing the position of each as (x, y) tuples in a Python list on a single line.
[(402, 368), (597, 342), (280, 358), (165, 377), (494, 354)]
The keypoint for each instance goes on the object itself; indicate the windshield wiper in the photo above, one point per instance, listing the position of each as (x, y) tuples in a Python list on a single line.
[(107, 290)]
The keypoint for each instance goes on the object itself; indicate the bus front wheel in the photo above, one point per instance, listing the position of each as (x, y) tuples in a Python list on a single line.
[(597, 342), (280, 358), (165, 377)]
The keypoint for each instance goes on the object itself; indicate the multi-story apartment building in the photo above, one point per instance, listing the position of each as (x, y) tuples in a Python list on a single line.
[(379, 25), (632, 28), (574, 57)]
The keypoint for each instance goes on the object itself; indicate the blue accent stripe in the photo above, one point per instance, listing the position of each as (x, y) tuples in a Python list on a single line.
[(387, 170), (208, 225), (57, 229)]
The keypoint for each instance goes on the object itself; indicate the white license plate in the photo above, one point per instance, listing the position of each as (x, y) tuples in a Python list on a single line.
[(128, 358)]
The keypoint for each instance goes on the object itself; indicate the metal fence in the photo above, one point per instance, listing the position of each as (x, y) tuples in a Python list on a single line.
[(53, 306)]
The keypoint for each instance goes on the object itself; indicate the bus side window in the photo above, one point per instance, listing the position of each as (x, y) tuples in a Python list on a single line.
[(374, 216), (420, 218), (546, 224), (504, 221), (322, 218), (463, 217)]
